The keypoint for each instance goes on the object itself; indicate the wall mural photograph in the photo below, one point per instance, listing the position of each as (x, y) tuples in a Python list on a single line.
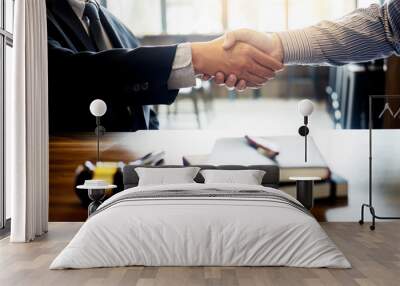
[(166, 73)]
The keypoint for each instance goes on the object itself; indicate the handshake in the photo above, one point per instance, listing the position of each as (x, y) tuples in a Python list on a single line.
[(240, 59)]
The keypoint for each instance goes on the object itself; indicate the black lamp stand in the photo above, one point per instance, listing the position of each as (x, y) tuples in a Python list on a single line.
[(304, 131), (370, 203), (99, 131)]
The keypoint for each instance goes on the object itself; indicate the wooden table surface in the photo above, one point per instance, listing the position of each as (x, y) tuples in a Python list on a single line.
[(66, 154), (346, 152)]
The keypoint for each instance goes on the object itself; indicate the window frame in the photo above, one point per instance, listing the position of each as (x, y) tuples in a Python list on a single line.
[(6, 39)]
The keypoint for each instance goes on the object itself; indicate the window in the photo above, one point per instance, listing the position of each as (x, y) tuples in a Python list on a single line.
[(154, 17), (6, 42)]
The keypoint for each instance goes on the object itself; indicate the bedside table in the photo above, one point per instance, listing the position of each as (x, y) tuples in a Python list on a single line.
[(96, 192), (304, 190)]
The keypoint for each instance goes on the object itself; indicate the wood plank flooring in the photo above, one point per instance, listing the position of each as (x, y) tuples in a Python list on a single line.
[(375, 257)]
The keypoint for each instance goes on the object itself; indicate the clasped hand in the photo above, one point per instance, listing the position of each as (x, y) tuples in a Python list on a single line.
[(240, 59)]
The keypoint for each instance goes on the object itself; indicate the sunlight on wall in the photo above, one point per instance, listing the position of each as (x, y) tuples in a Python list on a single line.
[(144, 17), (278, 15), (259, 15), (308, 12), (198, 17), (366, 3)]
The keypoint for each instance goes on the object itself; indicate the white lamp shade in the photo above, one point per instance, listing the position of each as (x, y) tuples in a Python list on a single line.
[(306, 107), (98, 107)]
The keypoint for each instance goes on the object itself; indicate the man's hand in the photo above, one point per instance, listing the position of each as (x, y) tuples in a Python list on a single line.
[(268, 43), (243, 60)]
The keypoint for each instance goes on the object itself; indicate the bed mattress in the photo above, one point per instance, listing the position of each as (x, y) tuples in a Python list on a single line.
[(201, 225)]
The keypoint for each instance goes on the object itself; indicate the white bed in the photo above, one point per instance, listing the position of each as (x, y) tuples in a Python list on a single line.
[(248, 226)]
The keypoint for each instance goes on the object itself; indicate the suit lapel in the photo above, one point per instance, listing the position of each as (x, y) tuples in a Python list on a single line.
[(63, 11), (109, 27)]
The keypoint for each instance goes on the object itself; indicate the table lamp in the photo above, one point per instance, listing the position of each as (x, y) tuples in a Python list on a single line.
[(306, 108), (98, 108)]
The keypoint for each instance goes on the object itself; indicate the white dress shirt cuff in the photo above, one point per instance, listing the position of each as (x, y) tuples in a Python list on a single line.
[(301, 47), (182, 74)]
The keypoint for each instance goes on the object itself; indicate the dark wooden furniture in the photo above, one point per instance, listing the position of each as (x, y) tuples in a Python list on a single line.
[(67, 152)]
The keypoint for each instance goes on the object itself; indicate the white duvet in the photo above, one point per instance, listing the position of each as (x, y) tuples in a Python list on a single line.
[(200, 231)]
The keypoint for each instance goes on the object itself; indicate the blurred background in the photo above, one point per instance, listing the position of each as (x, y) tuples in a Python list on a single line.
[(340, 93)]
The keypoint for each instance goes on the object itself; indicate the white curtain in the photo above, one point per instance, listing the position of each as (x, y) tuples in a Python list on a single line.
[(27, 124)]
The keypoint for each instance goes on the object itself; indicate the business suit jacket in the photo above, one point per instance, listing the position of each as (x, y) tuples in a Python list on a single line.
[(127, 78)]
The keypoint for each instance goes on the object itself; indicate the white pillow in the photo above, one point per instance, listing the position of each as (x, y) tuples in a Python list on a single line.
[(247, 177), (166, 176)]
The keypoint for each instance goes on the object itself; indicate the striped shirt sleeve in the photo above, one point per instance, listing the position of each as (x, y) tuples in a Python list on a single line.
[(363, 35)]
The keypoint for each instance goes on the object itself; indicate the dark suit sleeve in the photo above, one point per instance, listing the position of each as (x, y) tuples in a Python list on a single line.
[(140, 75)]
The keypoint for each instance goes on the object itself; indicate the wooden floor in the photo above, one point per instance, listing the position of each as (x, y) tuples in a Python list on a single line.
[(375, 257)]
